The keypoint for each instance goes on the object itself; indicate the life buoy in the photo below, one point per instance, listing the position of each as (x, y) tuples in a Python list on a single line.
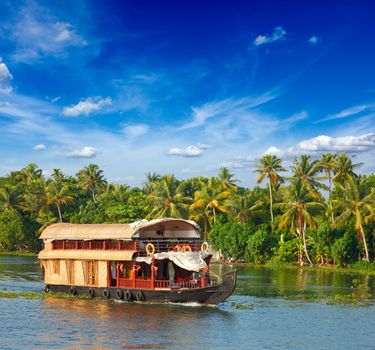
[(177, 248), (139, 296), (119, 294), (186, 248), (91, 292), (106, 293), (46, 289), (72, 291), (204, 247), (150, 249), (128, 295)]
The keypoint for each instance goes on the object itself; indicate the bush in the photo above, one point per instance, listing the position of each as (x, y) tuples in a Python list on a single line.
[(345, 249), (258, 249), (231, 238), (287, 250)]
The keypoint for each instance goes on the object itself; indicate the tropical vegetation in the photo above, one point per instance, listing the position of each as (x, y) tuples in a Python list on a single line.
[(316, 211)]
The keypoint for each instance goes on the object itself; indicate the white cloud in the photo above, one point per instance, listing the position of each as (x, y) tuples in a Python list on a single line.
[(39, 147), (348, 112), (37, 33), (229, 106), (239, 162), (278, 33), (87, 106), (135, 130), (314, 40), (84, 152), (189, 151), (325, 143), (5, 78), (273, 151)]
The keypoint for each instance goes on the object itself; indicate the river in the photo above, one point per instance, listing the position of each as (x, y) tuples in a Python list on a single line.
[(271, 309)]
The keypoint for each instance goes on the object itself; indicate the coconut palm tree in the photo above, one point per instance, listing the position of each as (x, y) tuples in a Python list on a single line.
[(269, 166), (91, 179), (58, 196), (210, 200), (344, 169), (226, 179), (29, 173), (168, 199), (9, 197), (299, 210), (151, 180), (327, 164), (359, 203), (305, 169)]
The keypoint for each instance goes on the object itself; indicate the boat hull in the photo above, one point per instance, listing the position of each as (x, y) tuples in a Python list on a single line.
[(208, 296)]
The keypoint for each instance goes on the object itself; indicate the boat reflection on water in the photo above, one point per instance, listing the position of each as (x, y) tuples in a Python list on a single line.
[(113, 324)]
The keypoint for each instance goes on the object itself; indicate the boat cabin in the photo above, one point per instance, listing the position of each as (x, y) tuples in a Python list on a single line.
[(162, 254)]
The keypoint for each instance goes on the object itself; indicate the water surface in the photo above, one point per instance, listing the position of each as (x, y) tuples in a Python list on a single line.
[(284, 314)]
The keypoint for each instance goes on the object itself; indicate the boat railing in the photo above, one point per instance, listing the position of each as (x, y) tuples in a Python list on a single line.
[(159, 245), (189, 284)]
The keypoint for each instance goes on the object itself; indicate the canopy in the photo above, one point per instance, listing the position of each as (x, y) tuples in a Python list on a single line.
[(163, 228), (190, 261)]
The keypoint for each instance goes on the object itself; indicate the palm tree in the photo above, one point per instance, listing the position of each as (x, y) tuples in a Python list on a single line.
[(29, 173), (305, 170), (327, 164), (9, 197), (344, 169), (58, 196), (359, 203), (226, 179), (210, 200), (91, 179), (269, 166), (151, 179), (168, 199), (299, 210)]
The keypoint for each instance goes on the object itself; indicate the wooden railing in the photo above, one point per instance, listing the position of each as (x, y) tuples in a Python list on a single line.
[(190, 284), (140, 246)]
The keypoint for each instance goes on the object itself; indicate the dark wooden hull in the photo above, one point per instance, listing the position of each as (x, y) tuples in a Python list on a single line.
[(208, 296)]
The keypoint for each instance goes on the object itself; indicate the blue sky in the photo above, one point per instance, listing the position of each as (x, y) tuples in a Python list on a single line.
[(184, 87)]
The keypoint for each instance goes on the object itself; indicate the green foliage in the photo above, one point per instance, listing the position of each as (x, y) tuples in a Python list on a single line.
[(345, 249), (259, 245), (12, 231), (231, 238)]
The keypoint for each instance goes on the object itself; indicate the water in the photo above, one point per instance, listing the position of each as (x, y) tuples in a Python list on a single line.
[(278, 314)]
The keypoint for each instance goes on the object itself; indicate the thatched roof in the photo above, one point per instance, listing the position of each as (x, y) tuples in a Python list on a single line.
[(179, 227), (118, 255)]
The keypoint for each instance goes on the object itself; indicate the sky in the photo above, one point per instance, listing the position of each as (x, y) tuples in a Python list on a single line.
[(184, 87)]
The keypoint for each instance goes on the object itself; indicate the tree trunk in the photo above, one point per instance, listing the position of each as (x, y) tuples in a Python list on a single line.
[(214, 211), (329, 196), (367, 258), (271, 203), (58, 209), (93, 196), (302, 229)]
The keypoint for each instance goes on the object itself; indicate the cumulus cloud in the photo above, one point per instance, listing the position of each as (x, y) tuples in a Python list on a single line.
[(189, 151), (278, 33), (39, 147), (274, 151), (5, 78), (239, 162), (325, 143), (314, 40), (84, 152), (348, 112), (135, 130), (87, 106)]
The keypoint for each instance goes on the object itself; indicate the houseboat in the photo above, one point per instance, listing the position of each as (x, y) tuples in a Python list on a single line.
[(161, 260)]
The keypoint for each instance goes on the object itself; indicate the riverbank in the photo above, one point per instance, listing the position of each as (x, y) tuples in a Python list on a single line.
[(16, 253)]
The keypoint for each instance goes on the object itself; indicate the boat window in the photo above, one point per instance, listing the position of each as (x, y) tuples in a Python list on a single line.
[(56, 267), (91, 272)]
